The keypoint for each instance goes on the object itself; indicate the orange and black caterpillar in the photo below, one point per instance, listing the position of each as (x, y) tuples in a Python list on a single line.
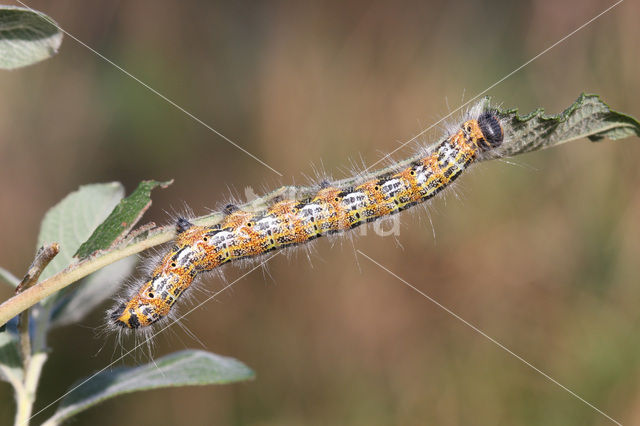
[(329, 209)]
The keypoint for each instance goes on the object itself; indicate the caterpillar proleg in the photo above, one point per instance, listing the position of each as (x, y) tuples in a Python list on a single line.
[(331, 208)]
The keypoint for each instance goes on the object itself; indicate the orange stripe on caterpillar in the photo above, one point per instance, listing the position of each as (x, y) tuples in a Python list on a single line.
[(333, 209)]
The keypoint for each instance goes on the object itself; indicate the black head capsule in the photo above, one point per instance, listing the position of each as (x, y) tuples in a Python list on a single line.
[(116, 313), (491, 130)]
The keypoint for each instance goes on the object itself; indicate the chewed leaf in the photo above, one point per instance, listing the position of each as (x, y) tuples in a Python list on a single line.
[(185, 368), (91, 292), (8, 277), (122, 219), (72, 220), (10, 365), (26, 37), (588, 117)]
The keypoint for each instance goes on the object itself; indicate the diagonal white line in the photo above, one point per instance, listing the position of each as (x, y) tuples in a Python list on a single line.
[(500, 345), (494, 84), (176, 321), (155, 92)]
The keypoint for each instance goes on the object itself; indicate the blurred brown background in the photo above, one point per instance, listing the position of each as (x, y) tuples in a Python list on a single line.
[(540, 252)]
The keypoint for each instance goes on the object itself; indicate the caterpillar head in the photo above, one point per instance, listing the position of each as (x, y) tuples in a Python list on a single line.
[(492, 134), (141, 310)]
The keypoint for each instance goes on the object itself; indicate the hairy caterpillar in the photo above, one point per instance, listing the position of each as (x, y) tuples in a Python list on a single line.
[(332, 208)]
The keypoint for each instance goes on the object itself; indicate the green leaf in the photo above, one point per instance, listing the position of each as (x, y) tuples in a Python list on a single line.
[(10, 365), (190, 367), (92, 291), (588, 117), (8, 277), (122, 219), (26, 37), (72, 220)]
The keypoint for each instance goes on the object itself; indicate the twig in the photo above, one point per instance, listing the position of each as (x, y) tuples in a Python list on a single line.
[(127, 238), (45, 254), (25, 392), (73, 273)]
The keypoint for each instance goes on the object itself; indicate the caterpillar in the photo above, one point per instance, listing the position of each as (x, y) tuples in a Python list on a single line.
[(330, 209)]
